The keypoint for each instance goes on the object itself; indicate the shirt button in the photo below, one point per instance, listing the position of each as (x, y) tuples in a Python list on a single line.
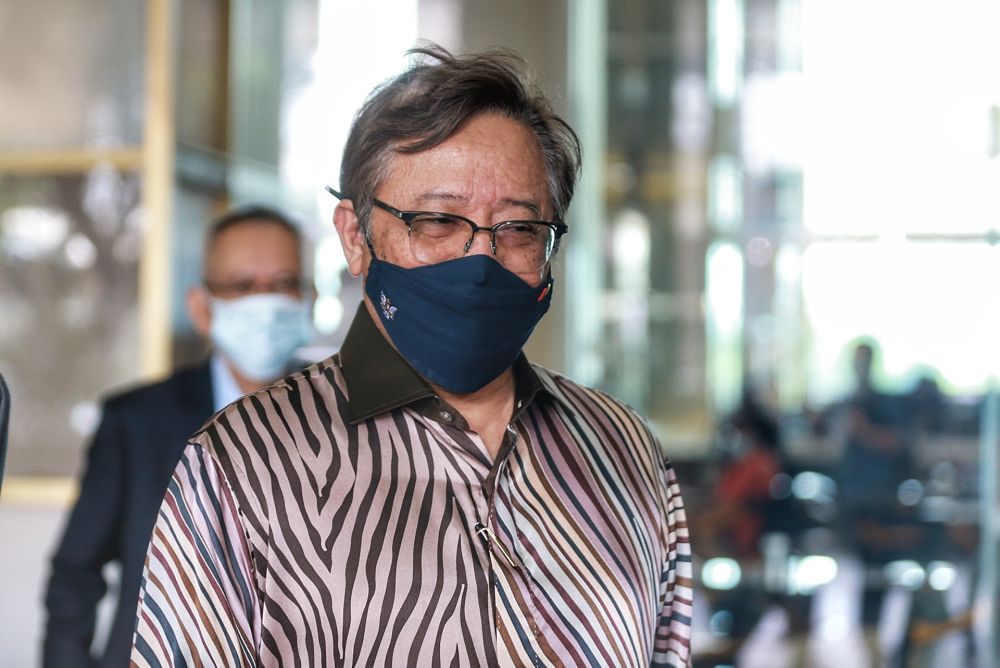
[(446, 416)]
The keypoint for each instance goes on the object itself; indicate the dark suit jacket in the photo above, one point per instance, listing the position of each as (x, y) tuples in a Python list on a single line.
[(131, 458)]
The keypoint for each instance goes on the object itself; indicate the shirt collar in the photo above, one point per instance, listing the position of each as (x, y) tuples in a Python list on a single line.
[(379, 379), (225, 389)]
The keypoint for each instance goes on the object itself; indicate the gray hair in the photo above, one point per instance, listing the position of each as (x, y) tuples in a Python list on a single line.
[(428, 103)]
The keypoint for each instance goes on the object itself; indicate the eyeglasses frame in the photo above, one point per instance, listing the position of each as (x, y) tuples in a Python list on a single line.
[(558, 228)]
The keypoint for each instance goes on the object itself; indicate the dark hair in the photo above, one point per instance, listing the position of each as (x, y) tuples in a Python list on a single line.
[(753, 418), (250, 214), (429, 102)]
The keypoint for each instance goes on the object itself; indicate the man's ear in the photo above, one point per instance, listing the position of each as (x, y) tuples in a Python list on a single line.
[(199, 307), (352, 238)]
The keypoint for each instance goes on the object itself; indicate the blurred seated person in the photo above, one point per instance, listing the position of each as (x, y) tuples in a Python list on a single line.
[(251, 306), (735, 517), (741, 496)]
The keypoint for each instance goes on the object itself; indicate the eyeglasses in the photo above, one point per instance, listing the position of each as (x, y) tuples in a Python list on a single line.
[(522, 246), (290, 285)]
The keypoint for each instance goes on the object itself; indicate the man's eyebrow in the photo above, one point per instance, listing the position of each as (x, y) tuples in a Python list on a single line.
[(524, 203), (442, 196), (531, 205)]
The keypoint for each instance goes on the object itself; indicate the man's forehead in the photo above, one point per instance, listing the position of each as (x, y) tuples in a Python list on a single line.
[(249, 233), (495, 159), (254, 237)]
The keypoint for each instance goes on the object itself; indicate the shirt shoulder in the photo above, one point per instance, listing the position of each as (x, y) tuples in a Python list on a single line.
[(613, 425), (592, 404), (632, 459), (297, 419), (318, 386)]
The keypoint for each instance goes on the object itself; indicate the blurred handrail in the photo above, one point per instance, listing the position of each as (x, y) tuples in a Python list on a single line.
[(69, 161)]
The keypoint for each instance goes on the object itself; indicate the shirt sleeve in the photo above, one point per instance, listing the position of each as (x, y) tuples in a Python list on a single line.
[(199, 603), (672, 644)]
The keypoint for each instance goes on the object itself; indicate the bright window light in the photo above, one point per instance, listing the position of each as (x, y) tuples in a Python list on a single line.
[(813, 486), (811, 572), (905, 573), (721, 573), (316, 118), (898, 142), (941, 575), (726, 33), (914, 298), (898, 135), (350, 63), (724, 310)]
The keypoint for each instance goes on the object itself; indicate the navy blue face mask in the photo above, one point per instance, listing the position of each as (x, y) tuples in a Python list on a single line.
[(459, 323)]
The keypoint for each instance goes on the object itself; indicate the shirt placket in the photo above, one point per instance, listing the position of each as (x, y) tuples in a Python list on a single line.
[(486, 527), (457, 435), (489, 531)]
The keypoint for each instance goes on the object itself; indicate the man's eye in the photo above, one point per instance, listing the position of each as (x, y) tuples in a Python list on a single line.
[(522, 234), (522, 229), (440, 220), (241, 287), (287, 285), (437, 225)]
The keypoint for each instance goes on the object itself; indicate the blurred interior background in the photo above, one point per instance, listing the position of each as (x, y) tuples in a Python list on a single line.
[(767, 183)]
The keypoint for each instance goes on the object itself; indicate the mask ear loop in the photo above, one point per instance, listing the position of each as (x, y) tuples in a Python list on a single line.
[(366, 230), (368, 242)]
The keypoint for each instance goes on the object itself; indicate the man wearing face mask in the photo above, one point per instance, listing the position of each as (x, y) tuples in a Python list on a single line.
[(427, 496), (251, 306)]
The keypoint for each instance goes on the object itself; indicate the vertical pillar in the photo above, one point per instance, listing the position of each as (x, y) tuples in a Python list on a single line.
[(157, 187), (985, 601), (587, 64)]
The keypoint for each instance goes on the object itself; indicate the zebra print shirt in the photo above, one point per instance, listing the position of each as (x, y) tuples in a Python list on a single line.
[(348, 517)]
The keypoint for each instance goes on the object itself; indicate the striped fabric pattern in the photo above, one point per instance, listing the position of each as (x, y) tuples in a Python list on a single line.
[(291, 536)]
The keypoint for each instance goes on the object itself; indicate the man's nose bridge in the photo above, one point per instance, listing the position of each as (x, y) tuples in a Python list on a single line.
[(482, 242)]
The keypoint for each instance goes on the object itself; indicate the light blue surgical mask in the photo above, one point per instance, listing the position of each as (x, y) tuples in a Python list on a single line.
[(260, 333)]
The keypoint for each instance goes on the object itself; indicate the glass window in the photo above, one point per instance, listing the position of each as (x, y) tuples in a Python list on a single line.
[(815, 186), (83, 82), (69, 254)]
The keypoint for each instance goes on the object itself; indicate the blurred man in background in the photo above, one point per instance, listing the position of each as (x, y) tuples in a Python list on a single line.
[(252, 307)]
